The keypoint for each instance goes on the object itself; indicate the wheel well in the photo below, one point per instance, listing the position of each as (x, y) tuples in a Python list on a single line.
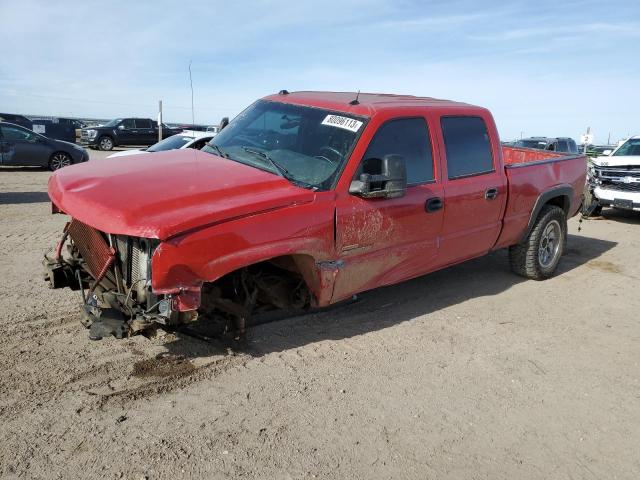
[(561, 201), (284, 282)]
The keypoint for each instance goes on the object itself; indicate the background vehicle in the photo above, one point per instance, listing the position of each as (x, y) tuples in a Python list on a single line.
[(555, 144), (57, 128), (599, 150), (304, 200), (614, 180), (124, 132), (16, 120), (22, 147), (185, 139)]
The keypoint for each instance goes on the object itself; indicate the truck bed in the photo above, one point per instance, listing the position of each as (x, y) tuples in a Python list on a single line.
[(516, 155), (530, 172)]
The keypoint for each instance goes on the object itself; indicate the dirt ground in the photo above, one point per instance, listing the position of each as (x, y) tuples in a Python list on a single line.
[(469, 373)]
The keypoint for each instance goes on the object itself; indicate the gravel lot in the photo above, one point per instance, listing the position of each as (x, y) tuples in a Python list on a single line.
[(470, 372)]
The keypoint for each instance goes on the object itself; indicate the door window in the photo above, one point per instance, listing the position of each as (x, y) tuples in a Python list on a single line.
[(143, 123), (128, 123), (563, 146), (408, 137), (467, 144), (13, 133)]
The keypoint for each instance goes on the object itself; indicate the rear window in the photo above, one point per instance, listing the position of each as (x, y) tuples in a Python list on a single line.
[(467, 144), (143, 123)]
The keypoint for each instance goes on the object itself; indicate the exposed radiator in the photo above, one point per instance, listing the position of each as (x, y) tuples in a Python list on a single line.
[(94, 250)]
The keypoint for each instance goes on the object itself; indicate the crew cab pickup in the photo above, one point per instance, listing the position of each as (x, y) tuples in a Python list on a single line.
[(124, 132), (302, 201)]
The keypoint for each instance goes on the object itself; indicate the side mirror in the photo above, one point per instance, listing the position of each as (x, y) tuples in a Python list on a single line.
[(385, 178), (607, 152), (120, 127), (223, 123)]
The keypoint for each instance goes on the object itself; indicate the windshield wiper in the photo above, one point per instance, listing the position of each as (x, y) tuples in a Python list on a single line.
[(219, 150), (282, 171)]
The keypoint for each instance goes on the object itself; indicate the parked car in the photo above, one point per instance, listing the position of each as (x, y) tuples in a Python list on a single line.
[(302, 201), (16, 120), (22, 147), (124, 132), (55, 127), (556, 144), (185, 139), (599, 150), (614, 179)]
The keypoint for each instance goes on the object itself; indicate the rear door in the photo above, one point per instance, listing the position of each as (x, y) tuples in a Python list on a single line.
[(146, 132), (475, 189), (382, 241)]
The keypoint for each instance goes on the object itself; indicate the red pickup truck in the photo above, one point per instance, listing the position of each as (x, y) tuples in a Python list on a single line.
[(304, 200)]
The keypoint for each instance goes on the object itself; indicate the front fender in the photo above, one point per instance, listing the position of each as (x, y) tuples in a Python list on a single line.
[(303, 231)]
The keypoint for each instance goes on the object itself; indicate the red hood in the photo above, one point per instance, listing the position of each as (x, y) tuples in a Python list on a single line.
[(166, 193)]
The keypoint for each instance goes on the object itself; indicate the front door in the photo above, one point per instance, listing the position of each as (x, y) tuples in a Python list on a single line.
[(383, 241), (22, 147), (475, 190), (128, 132)]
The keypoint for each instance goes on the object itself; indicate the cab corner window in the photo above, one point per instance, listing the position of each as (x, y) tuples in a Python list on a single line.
[(407, 137), (467, 146)]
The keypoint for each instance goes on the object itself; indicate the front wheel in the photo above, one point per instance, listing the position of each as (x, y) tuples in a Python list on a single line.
[(590, 205), (538, 255), (106, 144), (59, 160)]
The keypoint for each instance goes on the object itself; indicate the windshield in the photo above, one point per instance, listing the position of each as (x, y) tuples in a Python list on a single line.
[(630, 147), (306, 145), (172, 143), (540, 144), (113, 122)]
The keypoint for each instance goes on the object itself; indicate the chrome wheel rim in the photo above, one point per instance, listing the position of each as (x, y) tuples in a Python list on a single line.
[(549, 243), (105, 143), (60, 160)]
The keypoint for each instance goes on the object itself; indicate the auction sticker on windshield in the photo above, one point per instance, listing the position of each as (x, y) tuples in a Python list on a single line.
[(342, 122)]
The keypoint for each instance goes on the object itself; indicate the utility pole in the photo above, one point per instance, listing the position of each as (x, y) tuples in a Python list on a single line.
[(159, 120)]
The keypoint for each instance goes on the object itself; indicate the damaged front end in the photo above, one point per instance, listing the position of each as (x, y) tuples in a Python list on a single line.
[(113, 274)]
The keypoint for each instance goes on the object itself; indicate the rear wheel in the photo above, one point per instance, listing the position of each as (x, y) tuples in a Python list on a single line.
[(59, 160), (106, 143), (538, 255)]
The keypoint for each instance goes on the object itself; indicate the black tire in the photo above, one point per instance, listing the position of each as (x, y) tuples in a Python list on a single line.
[(538, 255), (59, 160), (105, 143)]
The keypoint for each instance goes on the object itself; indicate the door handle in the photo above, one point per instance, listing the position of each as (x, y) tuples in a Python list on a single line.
[(433, 205), (491, 193)]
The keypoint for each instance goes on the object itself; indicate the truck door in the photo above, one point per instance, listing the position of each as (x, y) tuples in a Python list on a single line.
[(146, 132), (128, 133), (382, 241), (474, 190)]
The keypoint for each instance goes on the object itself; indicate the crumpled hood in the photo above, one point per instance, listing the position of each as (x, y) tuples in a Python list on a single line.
[(617, 161), (162, 194)]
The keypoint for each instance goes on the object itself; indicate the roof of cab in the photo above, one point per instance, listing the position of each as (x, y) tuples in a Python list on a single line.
[(368, 103)]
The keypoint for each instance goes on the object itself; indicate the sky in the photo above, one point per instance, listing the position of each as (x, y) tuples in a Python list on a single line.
[(542, 67)]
